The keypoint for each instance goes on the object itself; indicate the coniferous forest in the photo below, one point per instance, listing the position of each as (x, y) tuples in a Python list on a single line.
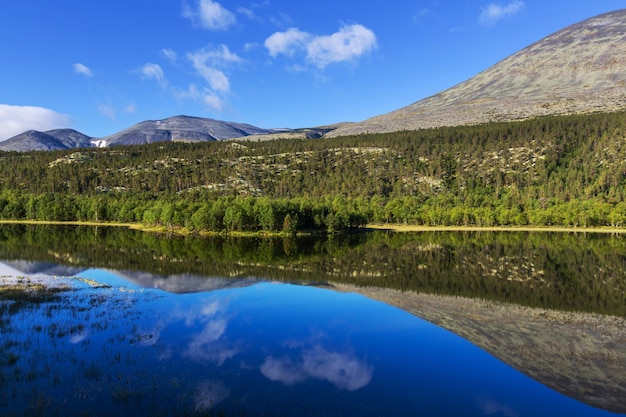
[(549, 171)]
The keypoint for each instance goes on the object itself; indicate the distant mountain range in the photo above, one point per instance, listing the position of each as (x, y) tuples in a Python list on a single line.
[(177, 128), (579, 69)]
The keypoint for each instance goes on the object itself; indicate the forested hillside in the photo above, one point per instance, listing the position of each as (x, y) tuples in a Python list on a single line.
[(568, 170)]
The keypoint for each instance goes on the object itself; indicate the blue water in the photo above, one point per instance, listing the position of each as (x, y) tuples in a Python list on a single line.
[(265, 349)]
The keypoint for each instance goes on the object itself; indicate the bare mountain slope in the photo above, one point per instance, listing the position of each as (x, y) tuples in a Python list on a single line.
[(579, 69)]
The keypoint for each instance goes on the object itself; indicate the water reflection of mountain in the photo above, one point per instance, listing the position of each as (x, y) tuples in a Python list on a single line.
[(184, 283), (175, 283), (580, 355), (43, 268)]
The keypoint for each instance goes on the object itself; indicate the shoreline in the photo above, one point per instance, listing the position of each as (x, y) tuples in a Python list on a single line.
[(400, 228), (392, 227)]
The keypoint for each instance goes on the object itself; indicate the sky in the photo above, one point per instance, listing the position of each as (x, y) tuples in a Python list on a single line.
[(102, 66)]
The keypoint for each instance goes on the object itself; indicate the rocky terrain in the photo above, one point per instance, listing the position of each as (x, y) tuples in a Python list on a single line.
[(579, 69)]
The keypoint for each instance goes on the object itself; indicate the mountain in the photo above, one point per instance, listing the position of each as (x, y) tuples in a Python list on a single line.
[(579, 69), (180, 128), (33, 140), (177, 128)]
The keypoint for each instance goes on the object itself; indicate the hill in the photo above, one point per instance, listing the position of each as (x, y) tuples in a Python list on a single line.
[(57, 139), (579, 69), (548, 171), (180, 129)]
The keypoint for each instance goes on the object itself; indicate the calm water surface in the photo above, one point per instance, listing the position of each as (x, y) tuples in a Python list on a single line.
[(114, 345)]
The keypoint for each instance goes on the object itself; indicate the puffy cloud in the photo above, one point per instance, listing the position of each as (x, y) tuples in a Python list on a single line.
[(17, 119), (153, 72), (83, 69), (210, 15), (496, 12), (287, 43), (347, 44)]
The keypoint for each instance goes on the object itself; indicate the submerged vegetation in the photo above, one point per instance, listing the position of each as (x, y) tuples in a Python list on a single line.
[(551, 171)]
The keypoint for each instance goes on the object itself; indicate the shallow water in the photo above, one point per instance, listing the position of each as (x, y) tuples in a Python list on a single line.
[(111, 344)]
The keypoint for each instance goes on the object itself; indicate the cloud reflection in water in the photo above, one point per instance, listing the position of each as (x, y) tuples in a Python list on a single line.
[(210, 393), (344, 370)]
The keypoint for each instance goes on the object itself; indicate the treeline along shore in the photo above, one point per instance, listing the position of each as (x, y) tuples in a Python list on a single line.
[(566, 171)]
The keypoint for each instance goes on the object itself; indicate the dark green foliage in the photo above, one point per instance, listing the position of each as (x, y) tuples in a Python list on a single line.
[(552, 171), (565, 271)]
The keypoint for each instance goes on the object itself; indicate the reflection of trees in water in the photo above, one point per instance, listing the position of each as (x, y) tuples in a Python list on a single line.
[(553, 270)]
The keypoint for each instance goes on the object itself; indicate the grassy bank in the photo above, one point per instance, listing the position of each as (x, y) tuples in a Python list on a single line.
[(182, 231), (555, 229)]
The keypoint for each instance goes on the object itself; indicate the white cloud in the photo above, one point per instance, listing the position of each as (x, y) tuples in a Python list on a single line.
[(249, 13), (83, 70), (208, 63), (170, 54), (209, 15), (206, 96), (192, 93), (287, 43), (493, 13), (347, 44), (154, 72), (17, 119), (213, 101), (211, 64), (217, 80), (130, 108)]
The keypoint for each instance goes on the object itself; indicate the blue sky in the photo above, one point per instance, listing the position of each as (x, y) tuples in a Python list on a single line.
[(100, 67)]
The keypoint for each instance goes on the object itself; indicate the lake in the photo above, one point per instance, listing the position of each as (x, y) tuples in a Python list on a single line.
[(109, 321)]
